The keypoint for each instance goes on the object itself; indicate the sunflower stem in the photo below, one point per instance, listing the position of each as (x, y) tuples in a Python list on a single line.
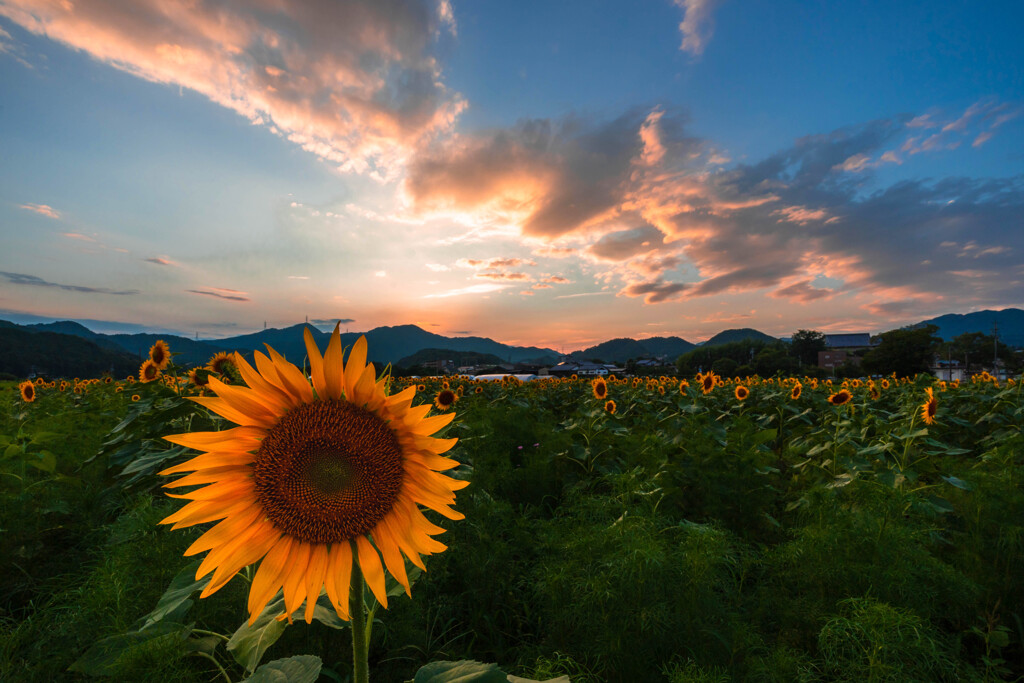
[(357, 612)]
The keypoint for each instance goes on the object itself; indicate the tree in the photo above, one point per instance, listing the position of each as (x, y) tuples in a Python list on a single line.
[(977, 349), (806, 344), (904, 351)]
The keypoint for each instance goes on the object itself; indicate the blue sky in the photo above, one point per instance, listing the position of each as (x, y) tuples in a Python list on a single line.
[(539, 173)]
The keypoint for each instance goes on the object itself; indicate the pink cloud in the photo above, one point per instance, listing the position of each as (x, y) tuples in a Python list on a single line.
[(351, 82), (697, 26), (41, 209), (221, 293)]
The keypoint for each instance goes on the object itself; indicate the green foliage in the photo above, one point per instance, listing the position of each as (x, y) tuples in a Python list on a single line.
[(904, 352), (805, 345)]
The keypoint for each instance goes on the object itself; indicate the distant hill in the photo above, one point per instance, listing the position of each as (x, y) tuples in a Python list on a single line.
[(1010, 321), (386, 344), (53, 354), (623, 349), (457, 357), (727, 336), (667, 346)]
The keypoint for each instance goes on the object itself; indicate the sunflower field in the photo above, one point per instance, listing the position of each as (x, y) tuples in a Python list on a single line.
[(622, 529)]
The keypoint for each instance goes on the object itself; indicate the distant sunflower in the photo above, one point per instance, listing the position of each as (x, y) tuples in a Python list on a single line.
[(460, 391), (874, 391), (160, 354), (445, 399), (199, 377), (118, 390), (929, 407), (28, 391), (148, 371), (741, 392), (310, 475), (840, 397), (661, 390), (135, 397), (600, 388), (884, 383), (610, 407), (421, 387), (221, 363), (683, 386), (478, 390), (796, 391), (108, 379), (707, 381)]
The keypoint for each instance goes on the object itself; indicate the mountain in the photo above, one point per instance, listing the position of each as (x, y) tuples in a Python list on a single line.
[(726, 336), (386, 344), (457, 357), (622, 349), (1009, 320), (27, 350)]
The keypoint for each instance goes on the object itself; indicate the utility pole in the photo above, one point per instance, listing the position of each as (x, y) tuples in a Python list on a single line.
[(995, 348)]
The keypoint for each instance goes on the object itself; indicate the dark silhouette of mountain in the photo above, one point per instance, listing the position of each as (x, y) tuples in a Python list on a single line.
[(727, 336), (1010, 321), (53, 354), (457, 357), (77, 330), (623, 349)]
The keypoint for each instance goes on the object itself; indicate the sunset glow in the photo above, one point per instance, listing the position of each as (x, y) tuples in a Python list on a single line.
[(548, 174)]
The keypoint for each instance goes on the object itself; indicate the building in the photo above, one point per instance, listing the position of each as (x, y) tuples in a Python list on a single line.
[(857, 340), (830, 360)]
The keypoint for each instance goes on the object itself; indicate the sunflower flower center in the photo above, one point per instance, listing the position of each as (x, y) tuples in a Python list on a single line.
[(328, 471)]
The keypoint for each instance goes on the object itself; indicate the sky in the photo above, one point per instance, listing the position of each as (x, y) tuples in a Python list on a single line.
[(551, 174)]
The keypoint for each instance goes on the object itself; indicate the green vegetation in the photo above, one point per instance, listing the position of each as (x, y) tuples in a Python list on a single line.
[(688, 537)]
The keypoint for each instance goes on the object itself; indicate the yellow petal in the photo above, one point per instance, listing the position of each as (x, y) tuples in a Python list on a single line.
[(316, 364), (355, 365), (238, 438), (211, 474), (338, 576), (294, 586), (244, 400), (266, 393), (209, 460), (269, 577), (292, 377), (315, 578), (373, 572), (388, 546), (432, 424), (333, 368), (224, 532), (245, 554), (225, 410)]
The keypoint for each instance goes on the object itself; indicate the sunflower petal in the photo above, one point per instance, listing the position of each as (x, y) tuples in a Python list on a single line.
[(338, 577), (291, 377), (269, 577), (208, 460), (316, 364), (355, 365), (228, 412), (373, 572), (294, 588), (266, 393), (334, 368), (315, 578), (388, 546), (236, 437)]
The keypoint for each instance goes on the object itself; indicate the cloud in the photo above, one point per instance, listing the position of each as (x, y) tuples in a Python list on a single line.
[(493, 263), (352, 82), (22, 279), (698, 25), (41, 209), (624, 244), (160, 261), (503, 276), (78, 236), (655, 292), (298, 277), (556, 279), (437, 267), (541, 285), (802, 292), (472, 289), (221, 293)]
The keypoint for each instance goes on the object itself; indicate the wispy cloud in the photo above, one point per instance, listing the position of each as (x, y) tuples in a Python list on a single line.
[(472, 289), (78, 236), (41, 209), (220, 293), (351, 82), (32, 280), (160, 261), (697, 25)]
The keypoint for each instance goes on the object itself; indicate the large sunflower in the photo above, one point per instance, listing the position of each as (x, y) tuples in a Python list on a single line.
[(929, 407), (160, 354), (310, 475), (148, 371), (28, 391), (600, 388)]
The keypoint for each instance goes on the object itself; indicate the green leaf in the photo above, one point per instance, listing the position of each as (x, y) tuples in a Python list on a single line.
[(45, 461), (959, 483), (517, 679), (12, 450), (177, 594), (940, 505), (841, 481), (101, 659), (4, 440), (249, 643), (297, 669), (464, 671), (999, 638)]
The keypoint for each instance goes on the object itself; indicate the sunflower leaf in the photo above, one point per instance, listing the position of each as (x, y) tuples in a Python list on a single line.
[(249, 643), (176, 599), (464, 671), (297, 669), (102, 658)]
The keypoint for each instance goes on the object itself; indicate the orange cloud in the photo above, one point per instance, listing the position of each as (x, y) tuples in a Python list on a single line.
[(351, 82), (41, 209)]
